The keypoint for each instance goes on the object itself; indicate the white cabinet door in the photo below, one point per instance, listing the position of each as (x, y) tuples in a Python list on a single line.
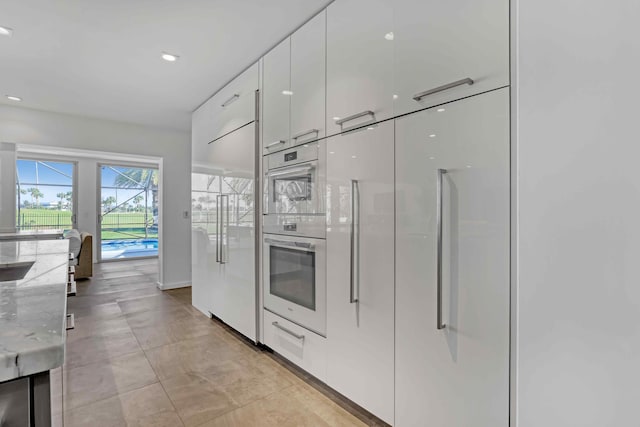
[(360, 174), (442, 42), (201, 129), (276, 97), (308, 81), (233, 299), (234, 105), (359, 62), (457, 376)]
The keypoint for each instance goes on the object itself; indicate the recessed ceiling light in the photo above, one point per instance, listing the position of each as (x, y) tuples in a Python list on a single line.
[(395, 96), (5, 31), (440, 110), (433, 135), (332, 152), (431, 158), (389, 36), (353, 157), (169, 57), (14, 98), (287, 92), (468, 166)]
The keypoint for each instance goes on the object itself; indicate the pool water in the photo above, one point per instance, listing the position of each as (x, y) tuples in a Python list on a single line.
[(120, 249)]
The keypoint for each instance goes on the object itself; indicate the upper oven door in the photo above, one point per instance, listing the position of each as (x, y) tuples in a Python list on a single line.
[(293, 190), (295, 280)]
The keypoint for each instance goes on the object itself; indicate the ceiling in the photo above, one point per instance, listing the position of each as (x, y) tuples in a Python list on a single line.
[(102, 58)]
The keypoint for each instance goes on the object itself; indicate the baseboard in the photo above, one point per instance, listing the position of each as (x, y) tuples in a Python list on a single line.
[(166, 286)]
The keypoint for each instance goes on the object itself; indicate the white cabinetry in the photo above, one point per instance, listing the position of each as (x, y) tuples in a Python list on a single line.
[(276, 97), (442, 42), (360, 251), (457, 376), (359, 62), (231, 108), (308, 81)]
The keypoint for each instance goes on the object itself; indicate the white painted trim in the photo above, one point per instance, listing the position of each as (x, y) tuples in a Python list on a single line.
[(176, 285)]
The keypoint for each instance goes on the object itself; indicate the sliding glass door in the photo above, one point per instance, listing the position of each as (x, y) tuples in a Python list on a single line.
[(45, 195), (128, 220)]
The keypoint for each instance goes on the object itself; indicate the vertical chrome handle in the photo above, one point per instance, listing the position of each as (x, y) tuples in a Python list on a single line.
[(218, 228), (419, 96), (225, 239), (355, 240), (439, 209)]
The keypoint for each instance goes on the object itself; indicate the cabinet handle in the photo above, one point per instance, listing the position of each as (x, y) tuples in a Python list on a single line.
[(308, 132), (356, 116), (418, 96), (355, 240), (230, 100), (290, 332), (439, 209), (225, 236), (274, 143), (218, 228)]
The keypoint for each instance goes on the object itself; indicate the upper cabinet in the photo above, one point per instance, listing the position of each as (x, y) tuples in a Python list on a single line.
[(447, 50), (308, 58), (276, 96), (231, 108), (360, 45)]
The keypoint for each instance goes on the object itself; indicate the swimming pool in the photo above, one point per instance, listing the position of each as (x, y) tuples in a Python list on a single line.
[(120, 249)]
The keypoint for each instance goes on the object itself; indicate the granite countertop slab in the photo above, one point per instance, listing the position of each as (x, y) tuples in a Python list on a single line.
[(33, 309)]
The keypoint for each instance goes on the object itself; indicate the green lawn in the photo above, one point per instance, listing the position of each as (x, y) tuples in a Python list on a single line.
[(115, 225)]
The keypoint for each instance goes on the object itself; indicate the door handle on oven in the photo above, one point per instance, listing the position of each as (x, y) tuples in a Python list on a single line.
[(290, 332), (439, 209), (418, 96), (301, 245), (307, 132), (356, 116), (291, 171), (355, 241)]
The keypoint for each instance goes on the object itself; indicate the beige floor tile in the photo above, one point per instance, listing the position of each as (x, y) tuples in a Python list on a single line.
[(182, 294), (107, 378), (93, 348), (196, 399), (146, 303), (144, 407), (323, 407), (197, 355), (172, 331), (98, 311)]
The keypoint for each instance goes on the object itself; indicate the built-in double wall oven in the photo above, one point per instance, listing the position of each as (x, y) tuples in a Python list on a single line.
[(294, 227)]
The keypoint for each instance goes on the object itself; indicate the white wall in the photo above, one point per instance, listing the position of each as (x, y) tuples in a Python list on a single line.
[(7, 189), (578, 159), (24, 126)]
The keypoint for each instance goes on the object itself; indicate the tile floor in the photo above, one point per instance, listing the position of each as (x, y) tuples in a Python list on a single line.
[(142, 357)]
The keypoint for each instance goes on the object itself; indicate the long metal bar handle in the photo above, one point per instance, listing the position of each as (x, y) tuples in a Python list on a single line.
[(355, 225), (224, 253), (356, 116), (230, 100), (308, 132), (439, 209), (290, 332), (466, 81), (218, 228), (268, 146)]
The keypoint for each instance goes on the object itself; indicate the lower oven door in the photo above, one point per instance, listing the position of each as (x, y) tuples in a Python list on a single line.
[(294, 280)]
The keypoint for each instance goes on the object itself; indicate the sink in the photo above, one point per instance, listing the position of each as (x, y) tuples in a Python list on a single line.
[(15, 271)]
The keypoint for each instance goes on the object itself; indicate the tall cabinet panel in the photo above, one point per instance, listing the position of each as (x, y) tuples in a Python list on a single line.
[(452, 299), (360, 278), (308, 80), (233, 296), (276, 97), (360, 41), (441, 43)]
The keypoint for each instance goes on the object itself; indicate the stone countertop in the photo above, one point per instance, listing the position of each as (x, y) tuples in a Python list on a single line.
[(33, 309), (32, 235)]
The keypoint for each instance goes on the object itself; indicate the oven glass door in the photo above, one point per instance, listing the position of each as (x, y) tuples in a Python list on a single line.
[(293, 276), (293, 190)]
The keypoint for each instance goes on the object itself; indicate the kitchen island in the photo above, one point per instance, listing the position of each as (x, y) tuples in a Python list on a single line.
[(33, 305)]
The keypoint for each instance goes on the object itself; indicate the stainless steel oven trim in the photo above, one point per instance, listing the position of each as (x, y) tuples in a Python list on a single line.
[(303, 246)]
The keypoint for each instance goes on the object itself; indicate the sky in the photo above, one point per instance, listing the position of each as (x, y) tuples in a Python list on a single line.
[(60, 176)]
